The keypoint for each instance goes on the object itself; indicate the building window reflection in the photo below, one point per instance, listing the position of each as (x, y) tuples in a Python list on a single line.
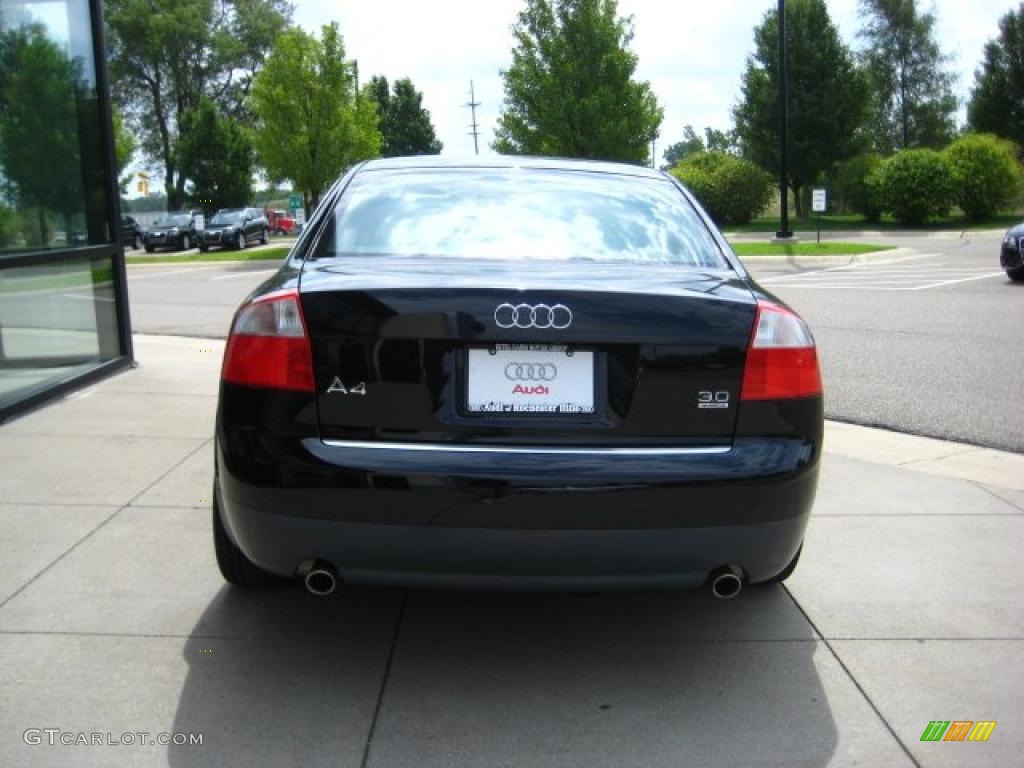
[(61, 293)]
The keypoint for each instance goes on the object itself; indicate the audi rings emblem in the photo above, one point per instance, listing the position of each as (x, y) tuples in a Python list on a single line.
[(531, 372), (541, 316)]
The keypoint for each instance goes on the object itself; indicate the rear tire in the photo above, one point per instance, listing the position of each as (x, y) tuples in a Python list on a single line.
[(788, 570), (203, 249), (150, 249), (136, 243), (263, 237), (1017, 275), (234, 566), (186, 244)]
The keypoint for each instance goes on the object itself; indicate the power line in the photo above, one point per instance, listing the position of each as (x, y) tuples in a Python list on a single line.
[(473, 104)]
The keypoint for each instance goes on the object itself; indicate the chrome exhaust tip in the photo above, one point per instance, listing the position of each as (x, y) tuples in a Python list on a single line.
[(320, 578), (726, 582)]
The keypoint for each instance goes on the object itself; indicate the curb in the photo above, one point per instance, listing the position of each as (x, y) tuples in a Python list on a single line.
[(883, 234), (810, 262), (946, 458), (201, 263)]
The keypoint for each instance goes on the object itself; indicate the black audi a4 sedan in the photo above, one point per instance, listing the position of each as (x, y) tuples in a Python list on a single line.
[(514, 374)]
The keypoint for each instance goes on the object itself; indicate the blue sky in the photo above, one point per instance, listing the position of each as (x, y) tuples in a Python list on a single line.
[(693, 53)]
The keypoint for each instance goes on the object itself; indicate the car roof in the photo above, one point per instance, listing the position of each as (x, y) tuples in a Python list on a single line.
[(510, 161)]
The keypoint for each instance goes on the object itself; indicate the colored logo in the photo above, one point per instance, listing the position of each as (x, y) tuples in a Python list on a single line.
[(958, 730), (519, 389)]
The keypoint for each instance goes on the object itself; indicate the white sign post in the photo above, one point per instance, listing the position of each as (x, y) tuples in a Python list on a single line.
[(819, 204)]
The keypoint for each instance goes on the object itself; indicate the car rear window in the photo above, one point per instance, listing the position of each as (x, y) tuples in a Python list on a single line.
[(516, 214)]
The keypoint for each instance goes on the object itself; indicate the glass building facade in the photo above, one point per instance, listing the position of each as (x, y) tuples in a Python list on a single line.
[(63, 303)]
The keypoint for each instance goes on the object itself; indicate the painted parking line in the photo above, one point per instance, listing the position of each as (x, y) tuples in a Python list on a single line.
[(133, 276), (235, 275), (887, 285), (911, 273), (962, 280), (844, 267)]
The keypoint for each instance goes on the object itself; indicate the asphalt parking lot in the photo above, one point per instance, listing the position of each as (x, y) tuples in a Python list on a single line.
[(920, 341), (114, 620)]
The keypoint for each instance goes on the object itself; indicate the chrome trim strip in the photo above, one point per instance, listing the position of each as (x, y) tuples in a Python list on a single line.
[(367, 445)]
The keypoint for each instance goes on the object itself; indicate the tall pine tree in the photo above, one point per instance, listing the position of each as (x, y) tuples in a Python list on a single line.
[(828, 102), (997, 101), (914, 103), (404, 124), (570, 89)]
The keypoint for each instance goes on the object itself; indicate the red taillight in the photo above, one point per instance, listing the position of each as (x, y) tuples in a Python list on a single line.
[(269, 346), (782, 362)]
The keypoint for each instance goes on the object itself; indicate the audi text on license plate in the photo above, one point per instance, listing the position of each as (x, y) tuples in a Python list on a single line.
[(530, 378)]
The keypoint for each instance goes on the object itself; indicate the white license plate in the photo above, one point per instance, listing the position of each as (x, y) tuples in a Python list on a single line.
[(530, 378)]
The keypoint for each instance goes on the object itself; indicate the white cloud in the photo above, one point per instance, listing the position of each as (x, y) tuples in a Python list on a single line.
[(693, 53)]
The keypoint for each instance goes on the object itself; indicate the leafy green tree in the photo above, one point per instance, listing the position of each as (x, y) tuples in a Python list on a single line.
[(570, 89), (217, 157), (167, 55), (405, 125), (40, 89), (310, 122), (271, 195), (828, 96), (915, 185), (914, 104), (124, 149), (721, 141), (147, 204), (10, 223), (731, 189), (713, 141), (986, 173), (997, 100), (690, 145)]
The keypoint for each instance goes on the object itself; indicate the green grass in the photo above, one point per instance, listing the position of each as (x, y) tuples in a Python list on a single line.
[(266, 254), (47, 280), (835, 222), (807, 249)]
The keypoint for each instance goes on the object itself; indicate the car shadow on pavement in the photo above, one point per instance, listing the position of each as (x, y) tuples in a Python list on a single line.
[(480, 679)]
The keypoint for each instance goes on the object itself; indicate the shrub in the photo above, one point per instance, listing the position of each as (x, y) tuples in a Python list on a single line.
[(855, 186), (915, 185), (986, 173), (732, 190)]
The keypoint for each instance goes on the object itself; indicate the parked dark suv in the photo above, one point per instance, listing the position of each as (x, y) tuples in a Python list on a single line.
[(234, 228), (175, 230), (131, 232)]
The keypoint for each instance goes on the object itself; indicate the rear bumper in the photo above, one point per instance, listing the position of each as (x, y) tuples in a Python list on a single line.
[(522, 518), (164, 241)]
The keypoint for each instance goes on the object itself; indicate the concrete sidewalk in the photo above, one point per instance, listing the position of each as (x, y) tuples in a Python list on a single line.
[(114, 620)]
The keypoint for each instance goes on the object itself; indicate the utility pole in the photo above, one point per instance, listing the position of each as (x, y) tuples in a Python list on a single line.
[(355, 70), (784, 232), (473, 104)]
